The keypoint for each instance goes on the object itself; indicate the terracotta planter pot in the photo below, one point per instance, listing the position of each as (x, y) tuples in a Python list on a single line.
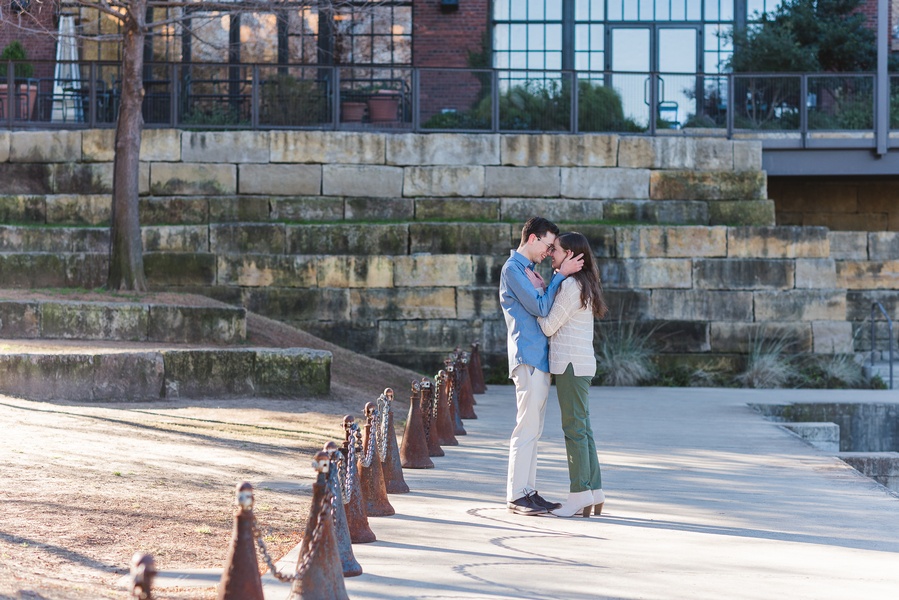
[(352, 112), (384, 107)]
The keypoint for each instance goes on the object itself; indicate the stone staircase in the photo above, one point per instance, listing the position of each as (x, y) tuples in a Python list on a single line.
[(87, 346)]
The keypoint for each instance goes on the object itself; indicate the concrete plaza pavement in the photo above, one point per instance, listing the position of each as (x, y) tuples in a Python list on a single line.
[(705, 499)]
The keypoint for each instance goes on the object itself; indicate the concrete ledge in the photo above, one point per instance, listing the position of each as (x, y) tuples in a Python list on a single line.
[(883, 467), (823, 436)]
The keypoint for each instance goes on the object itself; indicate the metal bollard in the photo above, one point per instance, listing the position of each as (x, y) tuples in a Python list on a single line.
[(445, 427), (476, 370), (318, 574), (357, 520), (240, 578), (466, 397), (143, 569), (392, 466), (428, 406), (336, 479), (414, 449), (453, 372), (371, 475)]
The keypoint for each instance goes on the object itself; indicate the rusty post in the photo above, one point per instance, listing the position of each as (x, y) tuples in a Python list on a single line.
[(371, 475), (453, 372), (240, 578), (348, 562), (392, 466), (476, 370), (428, 407), (444, 416), (414, 449), (318, 574), (357, 520), (466, 397), (143, 569)]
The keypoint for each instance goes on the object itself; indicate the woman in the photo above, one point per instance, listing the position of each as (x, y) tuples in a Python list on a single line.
[(569, 326)]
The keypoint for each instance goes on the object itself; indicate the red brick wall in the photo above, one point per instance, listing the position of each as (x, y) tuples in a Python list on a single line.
[(32, 30)]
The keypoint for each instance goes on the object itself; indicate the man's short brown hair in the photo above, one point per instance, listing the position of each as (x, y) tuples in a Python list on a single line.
[(539, 227)]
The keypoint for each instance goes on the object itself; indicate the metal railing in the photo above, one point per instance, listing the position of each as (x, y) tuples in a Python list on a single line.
[(804, 110), (874, 307)]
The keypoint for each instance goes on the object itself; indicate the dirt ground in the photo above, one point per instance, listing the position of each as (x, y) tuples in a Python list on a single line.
[(86, 486)]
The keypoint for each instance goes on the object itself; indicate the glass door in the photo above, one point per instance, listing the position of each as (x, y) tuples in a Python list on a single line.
[(678, 63), (630, 64)]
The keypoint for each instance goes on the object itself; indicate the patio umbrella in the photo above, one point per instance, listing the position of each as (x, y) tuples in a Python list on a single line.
[(67, 76)]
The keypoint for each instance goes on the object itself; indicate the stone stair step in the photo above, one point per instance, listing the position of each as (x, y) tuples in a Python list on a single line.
[(91, 372), (208, 323)]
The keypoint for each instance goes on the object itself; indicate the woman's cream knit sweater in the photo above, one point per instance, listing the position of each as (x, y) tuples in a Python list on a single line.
[(569, 327)]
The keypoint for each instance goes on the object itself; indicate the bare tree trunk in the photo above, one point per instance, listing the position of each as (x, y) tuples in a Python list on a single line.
[(126, 259)]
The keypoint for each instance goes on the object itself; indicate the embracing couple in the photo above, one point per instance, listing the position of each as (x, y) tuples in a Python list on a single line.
[(562, 311)]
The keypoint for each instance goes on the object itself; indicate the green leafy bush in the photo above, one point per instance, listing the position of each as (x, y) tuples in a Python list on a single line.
[(287, 100), (15, 52)]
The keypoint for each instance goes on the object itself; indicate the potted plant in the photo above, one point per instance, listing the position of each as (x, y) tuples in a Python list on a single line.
[(383, 106), (352, 112), (24, 92)]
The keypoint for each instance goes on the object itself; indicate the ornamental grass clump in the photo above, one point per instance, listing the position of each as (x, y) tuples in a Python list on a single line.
[(769, 364), (624, 355)]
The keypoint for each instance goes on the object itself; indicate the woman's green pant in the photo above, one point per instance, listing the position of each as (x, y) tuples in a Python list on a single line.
[(583, 465)]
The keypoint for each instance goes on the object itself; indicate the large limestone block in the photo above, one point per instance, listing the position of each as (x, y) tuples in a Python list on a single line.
[(403, 303), (98, 145), (544, 150), (742, 337), (457, 209), (443, 181), (225, 147), (24, 179), (87, 269), (175, 238), (177, 269), (350, 238), (557, 210), (860, 302), (307, 208), (425, 270), (34, 270), (379, 209), (196, 324), (292, 373), (81, 178), (270, 238), (209, 373), (425, 335), (192, 179), (165, 210), (800, 305), (266, 270), (778, 242), (328, 147), (19, 319), (79, 209), (747, 155), (4, 146), (118, 321), (883, 245), (648, 273), (671, 242), (693, 153), (301, 305), (851, 245), (602, 238), (354, 272), (743, 274), (23, 209), (677, 212), (280, 180), (230, 209), (45, 147), (816, 273), (832, 337), (415, 149), (588, 182), (530, 182), (629, 305), (487, 269), (163, 145), (868, 274), (701, 305), (477, 302), (462, 238), (362, 180), (708, 185), (741, 212)]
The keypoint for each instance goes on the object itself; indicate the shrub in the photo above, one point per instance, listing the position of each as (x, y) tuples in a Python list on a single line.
[(624, 355), (15, 52), (287, 100)]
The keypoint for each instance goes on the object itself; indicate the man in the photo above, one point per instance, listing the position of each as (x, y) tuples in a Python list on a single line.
[(524, 296)]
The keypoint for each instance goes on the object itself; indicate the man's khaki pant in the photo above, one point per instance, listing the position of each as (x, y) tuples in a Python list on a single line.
[(531, 391)]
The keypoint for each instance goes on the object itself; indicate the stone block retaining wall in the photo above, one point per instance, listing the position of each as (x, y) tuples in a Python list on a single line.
[(392, 244)]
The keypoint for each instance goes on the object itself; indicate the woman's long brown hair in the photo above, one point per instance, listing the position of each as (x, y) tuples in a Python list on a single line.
[(588, 276)]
